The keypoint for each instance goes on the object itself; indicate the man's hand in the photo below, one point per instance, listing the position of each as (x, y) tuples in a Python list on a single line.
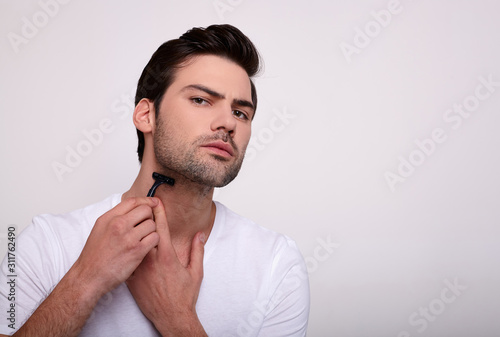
[(165, 290), (117, 244), (115, 247)]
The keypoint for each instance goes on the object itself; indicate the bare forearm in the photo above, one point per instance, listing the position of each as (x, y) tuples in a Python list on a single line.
[(186, 331), (181, 325), (64, 312), (115, 247)]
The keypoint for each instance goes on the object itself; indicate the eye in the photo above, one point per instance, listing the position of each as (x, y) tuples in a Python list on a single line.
[(240, 114), (199, 101)]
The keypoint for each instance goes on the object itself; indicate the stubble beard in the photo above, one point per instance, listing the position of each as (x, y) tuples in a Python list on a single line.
[(187, 159)]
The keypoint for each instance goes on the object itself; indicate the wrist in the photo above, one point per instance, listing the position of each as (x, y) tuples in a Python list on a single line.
[(66, 309), (87, 285), (184, 324)]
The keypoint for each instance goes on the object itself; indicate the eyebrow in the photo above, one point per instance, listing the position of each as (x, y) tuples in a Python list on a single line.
[(238, 102)]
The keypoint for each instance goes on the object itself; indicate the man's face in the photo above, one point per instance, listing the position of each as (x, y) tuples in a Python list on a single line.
[(204, 123)]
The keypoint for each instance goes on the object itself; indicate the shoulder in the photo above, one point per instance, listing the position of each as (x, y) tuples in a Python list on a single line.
[(262, 270), (80, 219), (63, 235)]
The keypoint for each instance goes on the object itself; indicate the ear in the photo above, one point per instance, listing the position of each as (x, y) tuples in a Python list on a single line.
[(144, 115)]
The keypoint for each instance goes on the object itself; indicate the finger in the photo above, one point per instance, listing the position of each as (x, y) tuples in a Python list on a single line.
[(197, 252), (129, 204), (148, 252), (144, 228), (165, 247), (138, 215), (148, 244), (145, 253)]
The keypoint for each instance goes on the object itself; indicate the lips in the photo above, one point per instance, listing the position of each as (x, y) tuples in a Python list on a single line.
[(220, 148)]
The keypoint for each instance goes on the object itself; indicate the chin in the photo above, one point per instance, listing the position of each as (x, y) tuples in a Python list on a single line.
[(214, 181)]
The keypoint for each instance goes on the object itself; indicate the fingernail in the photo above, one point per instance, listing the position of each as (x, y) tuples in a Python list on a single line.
[(202, 237)]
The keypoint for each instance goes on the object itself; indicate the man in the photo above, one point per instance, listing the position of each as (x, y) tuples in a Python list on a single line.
[(177, 264)]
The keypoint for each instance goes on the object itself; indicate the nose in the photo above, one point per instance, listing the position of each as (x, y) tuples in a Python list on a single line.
[(224, 120)]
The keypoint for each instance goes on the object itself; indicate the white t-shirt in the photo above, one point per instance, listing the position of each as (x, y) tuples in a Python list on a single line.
[(255, 280)]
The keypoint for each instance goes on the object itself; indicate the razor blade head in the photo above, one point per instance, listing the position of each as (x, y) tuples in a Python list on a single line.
[(164, 179), (159, 179)]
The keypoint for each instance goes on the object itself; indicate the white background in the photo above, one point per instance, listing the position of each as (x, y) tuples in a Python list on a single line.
[(318, 175)]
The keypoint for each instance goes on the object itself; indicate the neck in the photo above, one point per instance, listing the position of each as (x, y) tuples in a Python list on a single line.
[(188, 205)]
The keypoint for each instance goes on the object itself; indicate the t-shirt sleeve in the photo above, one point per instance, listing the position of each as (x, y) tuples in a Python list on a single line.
[(288, 309), (22, 288)]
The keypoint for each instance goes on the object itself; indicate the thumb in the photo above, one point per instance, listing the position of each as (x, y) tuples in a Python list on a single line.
[(165, 248), (160, 218), (197, 252)]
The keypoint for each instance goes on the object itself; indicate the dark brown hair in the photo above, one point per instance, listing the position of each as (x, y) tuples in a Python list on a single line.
[(221, 40)]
